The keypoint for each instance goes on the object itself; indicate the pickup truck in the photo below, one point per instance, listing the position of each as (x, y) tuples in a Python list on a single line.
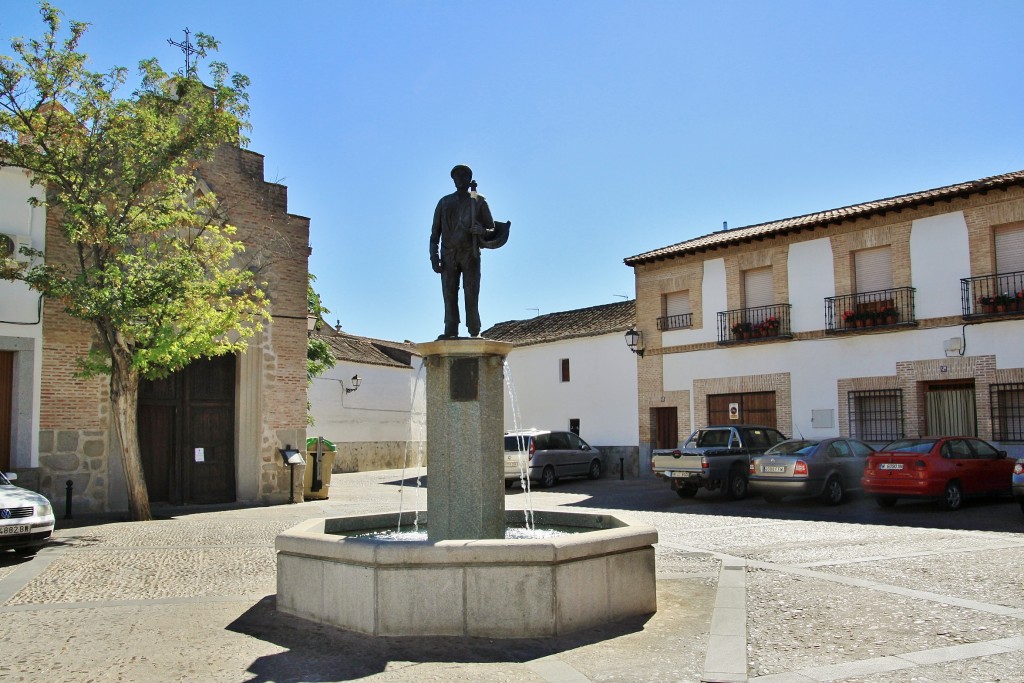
[(713, 458)]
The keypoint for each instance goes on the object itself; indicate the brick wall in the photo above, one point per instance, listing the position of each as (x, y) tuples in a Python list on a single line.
[(75, 428)]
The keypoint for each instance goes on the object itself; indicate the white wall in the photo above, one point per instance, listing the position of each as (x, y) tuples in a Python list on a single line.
[(939, 257), (388, 406), (20, 329), (601, 391), (811, 281)]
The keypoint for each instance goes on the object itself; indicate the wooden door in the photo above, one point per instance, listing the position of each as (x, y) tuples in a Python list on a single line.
[(6, 408), (756, 408), (187, 433), (666, 428)]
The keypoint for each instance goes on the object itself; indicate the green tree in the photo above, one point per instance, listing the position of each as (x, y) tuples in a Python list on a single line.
[(154, 267), (319, 358)]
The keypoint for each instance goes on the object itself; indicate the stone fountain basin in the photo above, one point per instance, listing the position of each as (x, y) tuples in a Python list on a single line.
[(493, 588)]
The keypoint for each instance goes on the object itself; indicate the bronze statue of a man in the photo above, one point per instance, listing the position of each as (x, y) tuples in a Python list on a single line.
[(462, 226)]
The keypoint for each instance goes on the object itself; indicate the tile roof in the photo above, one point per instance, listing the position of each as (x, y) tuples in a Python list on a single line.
[(725, 238), (353, 349), (582, 322)]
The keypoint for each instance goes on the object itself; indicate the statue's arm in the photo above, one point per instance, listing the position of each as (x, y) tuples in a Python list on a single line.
[(435, 240)]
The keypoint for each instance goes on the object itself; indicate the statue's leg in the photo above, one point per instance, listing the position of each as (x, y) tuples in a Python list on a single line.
[(471, 283), (450, 291)]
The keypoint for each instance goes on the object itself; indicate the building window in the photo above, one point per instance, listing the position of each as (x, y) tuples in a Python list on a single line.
[(564, 369), (872, 269), (1007, 412), (574, 425), (876, 415), (758, 288), (676, 312)]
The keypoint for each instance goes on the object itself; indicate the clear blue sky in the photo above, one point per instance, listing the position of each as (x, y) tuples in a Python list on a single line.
[(600, 129)]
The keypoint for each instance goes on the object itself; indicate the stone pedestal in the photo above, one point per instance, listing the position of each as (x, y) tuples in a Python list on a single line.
[(465, 443)]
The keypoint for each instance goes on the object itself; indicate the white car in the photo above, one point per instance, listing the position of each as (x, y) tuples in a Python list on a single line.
[(26, 518)]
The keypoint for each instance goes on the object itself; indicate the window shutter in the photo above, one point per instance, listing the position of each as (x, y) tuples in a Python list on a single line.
[(757, 288), (1009, 249), (873, 269), (677, 303)]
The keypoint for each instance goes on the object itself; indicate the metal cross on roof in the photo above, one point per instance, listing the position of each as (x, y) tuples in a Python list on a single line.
[(189, 50)]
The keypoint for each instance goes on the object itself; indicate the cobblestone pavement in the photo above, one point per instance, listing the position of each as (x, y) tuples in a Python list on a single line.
[(746, 591)]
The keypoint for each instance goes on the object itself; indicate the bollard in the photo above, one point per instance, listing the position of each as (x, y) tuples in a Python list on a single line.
[(67, 499), (622, 470)]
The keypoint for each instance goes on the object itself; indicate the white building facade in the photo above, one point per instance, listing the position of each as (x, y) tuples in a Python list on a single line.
[(895, 318), (573, 371), (21, 329), (382, 423)]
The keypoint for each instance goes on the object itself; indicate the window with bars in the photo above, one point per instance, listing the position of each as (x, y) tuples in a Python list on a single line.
[(876, 415), (1007, 412)]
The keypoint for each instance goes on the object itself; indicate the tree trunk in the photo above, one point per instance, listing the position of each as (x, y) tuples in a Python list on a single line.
[(124, 401)]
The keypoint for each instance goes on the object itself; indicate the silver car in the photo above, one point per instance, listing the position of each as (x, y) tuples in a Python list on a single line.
[(809, 467), (547, 456), (26, 518)]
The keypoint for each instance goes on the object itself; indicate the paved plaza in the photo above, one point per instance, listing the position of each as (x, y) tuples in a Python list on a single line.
[(746, 591)]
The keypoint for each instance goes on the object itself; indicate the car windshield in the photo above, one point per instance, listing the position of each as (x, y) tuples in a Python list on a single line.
[(792, 448), (517, 442), (911, 446), (704, 438)]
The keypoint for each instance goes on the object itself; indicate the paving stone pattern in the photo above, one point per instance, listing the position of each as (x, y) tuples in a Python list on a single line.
[(853, 594)]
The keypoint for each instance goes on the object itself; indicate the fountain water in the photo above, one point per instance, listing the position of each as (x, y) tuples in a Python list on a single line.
[(467, 578)]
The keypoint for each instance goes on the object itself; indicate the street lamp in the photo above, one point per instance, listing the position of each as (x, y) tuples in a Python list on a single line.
[(292, 457), (356, 381), (635, 341)]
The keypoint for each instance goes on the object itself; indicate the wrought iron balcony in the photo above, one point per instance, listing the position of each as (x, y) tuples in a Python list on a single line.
[(675, 322), (993, 295), (865, 310), (759, 323)]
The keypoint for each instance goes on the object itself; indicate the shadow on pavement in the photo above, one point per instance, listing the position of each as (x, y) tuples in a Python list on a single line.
[(314, 652)]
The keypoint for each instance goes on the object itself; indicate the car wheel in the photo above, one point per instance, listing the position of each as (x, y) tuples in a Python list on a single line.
[(737, 485), (595, 470), (547, 477), (833, 493), (25, 552), (953, 496), (886, 501), (772, 497), (686, 491), (509, 483), (1022, 505)]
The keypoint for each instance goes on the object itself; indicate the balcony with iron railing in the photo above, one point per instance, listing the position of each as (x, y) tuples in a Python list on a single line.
[(864, 311), (760, 323), (993, 295), (675, 322)]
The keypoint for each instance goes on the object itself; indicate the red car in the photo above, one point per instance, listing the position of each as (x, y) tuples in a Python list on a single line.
[(949, 468)]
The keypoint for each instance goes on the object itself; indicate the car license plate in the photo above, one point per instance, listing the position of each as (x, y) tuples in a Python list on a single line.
[(891, 466), (774, 468), (679, 475), (14, 529)]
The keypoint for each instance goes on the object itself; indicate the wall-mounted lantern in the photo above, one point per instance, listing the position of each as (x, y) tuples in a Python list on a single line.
[(635, 341), (356, 381)]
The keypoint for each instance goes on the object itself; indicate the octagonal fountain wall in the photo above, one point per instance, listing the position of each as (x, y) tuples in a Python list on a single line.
[(467, 578)]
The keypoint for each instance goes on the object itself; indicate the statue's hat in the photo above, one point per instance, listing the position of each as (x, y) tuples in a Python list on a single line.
[(461, 168)]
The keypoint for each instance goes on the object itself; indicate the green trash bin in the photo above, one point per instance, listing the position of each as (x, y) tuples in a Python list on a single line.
[(317, 478)]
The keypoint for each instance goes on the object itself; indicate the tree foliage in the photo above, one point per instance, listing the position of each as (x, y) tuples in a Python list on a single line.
[(152, 264), (319, 357)]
